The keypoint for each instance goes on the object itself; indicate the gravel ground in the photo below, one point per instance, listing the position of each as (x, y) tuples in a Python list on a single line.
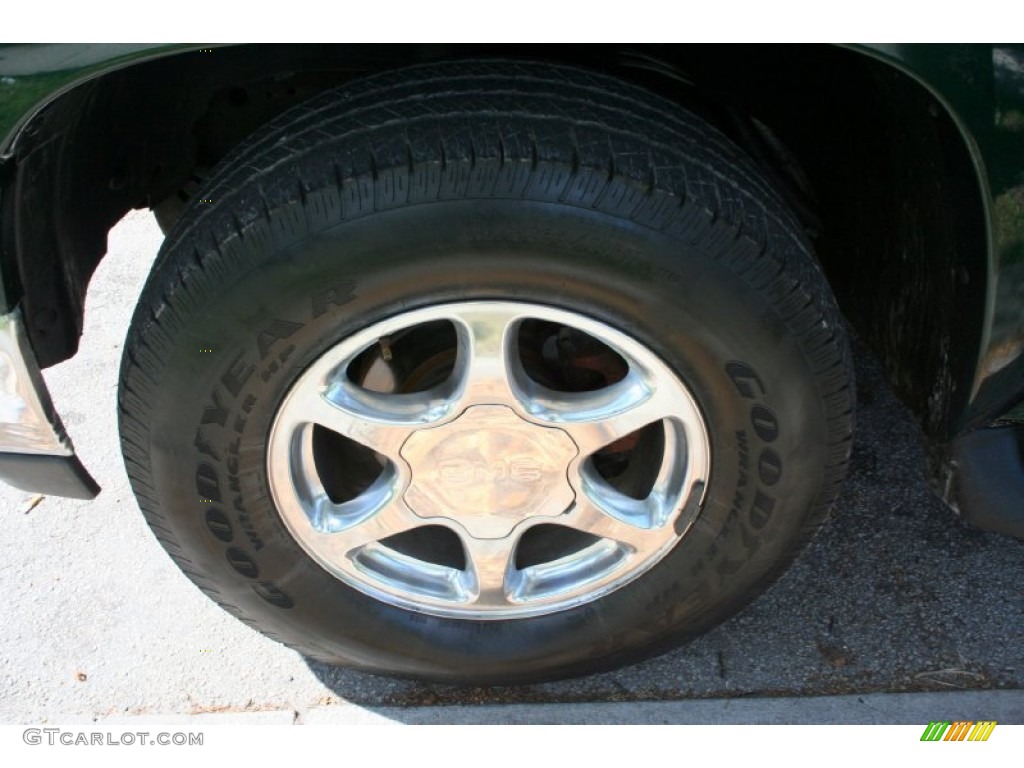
[(895, 594)]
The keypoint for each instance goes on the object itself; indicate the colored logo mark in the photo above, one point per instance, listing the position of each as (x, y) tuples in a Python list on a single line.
[(962, 730)]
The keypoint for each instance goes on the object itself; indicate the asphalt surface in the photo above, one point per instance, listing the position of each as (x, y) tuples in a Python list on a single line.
[(895, 594)]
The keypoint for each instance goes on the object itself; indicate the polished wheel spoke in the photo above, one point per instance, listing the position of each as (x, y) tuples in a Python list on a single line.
[(593, 517), (375, 525), (595, 420), (486, 337), (489, 569), (368, 419)]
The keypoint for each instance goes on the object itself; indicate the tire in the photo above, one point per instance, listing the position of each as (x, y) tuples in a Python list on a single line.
[(618, 245)]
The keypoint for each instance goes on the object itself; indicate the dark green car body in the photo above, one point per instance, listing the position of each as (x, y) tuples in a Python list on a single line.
[(905, 163)]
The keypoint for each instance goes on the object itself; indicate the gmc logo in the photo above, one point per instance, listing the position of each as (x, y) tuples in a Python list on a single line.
[(516, 470)]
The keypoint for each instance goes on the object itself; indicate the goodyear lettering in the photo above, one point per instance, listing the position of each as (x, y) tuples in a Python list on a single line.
[(215, 413), (276, 330), (219, 525), (237, 374), (207, 483), (765, 425), (338, 295), (203, 445), (746, 380), (242, 562)]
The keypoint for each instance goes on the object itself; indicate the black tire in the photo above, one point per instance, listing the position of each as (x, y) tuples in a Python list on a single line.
[(485, 180)]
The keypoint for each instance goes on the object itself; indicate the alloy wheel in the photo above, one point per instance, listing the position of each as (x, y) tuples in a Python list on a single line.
[(488, 460)]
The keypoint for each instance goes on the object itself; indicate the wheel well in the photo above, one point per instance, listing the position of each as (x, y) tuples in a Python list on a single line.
[(874, 167)]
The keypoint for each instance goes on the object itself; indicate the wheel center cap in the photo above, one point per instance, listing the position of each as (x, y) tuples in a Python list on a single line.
[(489, 470)]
